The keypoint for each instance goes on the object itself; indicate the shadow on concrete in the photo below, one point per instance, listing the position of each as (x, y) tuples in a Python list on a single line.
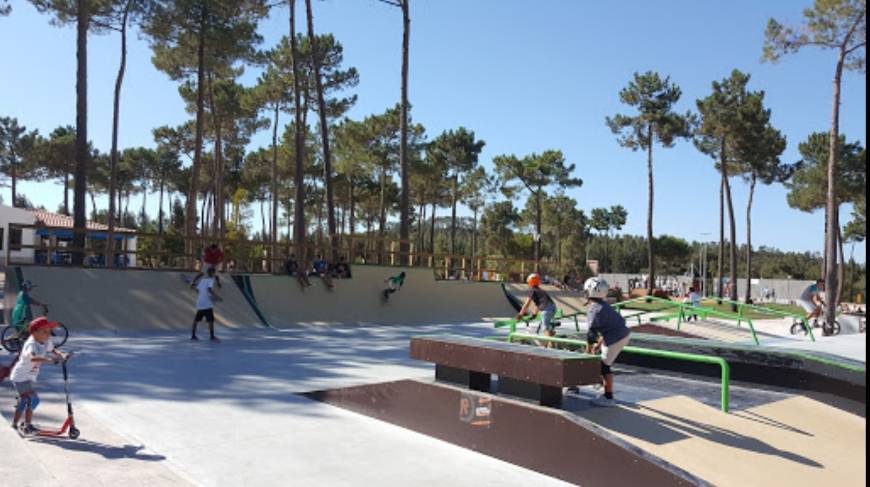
[(631, 421), (255, 369), (109, 452)]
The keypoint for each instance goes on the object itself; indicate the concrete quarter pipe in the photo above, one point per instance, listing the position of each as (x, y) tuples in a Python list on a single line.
[(106, 299), (422, 299)]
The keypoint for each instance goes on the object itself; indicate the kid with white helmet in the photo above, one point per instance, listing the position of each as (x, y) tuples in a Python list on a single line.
[(544, 305), (607, 333)]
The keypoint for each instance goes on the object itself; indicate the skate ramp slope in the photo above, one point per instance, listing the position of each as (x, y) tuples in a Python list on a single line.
[(795, 441), (422, 299), (567, 300), (107, 299)]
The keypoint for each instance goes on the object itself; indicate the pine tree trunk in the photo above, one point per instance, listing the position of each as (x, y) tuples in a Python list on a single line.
[(405, 169), (193, 191), (324, 136), (841, 268), (453, 201), (420, 219), (160, 208), (298, 176), (732, 231), (273, 170), (538, 217), (432, 231), (144, 216), (14, 182), (721, 262), (217, 177), (351, 222), (649, 215), (748, 295), (66, 193), (83, 18), (831, 205), (382, 215)]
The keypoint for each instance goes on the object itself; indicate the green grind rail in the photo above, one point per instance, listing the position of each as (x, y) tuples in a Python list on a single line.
[(684, 309), (689, 357)]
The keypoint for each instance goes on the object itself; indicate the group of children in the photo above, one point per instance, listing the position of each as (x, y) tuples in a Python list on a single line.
[(319, 268), (607, 333)]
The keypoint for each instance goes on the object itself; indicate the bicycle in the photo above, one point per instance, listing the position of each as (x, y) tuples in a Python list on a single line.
[(13, 337), (797, 327)]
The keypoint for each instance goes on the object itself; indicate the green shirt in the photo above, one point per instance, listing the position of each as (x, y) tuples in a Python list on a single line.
[(397, 280), (21, 313)]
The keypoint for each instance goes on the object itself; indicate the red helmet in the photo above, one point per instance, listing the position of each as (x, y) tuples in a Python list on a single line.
[(533, 280)]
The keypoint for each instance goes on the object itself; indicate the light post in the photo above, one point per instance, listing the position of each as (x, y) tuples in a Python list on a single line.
[(704, 263)]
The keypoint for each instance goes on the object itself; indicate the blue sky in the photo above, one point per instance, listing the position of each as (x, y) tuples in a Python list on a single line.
[(525, 76)]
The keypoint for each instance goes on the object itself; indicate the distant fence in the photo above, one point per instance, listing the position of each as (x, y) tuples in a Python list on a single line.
[(777, 290)]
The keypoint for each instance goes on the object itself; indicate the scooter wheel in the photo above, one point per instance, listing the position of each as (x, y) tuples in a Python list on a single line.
[(831, 330), (73, 432)]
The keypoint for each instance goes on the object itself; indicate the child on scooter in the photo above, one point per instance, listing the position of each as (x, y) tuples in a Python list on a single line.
[(37, 350)]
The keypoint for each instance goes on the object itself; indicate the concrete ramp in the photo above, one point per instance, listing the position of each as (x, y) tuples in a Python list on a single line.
[(568, 301), (106, 299), (422, 299)]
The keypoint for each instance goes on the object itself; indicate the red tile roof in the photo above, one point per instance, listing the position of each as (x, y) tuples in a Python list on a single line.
[(63, 221)]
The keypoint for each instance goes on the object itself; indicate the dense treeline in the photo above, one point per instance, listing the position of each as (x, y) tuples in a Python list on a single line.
[(325, 176)]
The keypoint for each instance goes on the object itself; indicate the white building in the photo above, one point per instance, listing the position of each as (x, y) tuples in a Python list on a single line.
[(48, 233)]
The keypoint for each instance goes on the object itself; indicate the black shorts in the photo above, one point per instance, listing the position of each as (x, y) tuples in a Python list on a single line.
[(208, 314)]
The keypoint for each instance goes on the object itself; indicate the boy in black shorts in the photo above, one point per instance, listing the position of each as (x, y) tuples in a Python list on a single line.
[(205, 300)]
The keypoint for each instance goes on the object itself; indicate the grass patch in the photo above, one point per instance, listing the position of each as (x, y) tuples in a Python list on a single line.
[(755, 314)]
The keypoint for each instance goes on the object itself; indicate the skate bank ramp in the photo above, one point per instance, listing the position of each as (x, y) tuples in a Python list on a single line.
[(568, 301), (122, 300), (422, 299)]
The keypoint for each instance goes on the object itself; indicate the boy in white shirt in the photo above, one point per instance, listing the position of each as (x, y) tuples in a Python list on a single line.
[(37, 350), (205, 300)]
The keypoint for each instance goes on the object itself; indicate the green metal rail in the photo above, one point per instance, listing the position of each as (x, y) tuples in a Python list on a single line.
[(761, 309), (689, 357), (512, 323), (685, 309)]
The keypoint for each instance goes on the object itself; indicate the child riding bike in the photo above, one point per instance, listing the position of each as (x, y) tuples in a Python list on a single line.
[(14, 335)]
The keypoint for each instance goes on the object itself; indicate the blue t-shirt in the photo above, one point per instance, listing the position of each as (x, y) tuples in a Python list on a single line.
[(605, 321), (320, 266)]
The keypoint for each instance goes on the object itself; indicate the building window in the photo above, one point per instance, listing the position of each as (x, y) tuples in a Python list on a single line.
[(15, 238)]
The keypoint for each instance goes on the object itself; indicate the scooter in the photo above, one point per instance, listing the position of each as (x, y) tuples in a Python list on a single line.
[(69, 425)]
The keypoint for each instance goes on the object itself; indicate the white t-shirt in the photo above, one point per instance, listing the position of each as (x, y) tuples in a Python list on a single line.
[(203, 300), (25, 369)]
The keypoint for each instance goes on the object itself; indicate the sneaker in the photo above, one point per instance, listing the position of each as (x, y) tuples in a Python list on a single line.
[(28, 429), (194, 338), (603, 402), (15, 426), (215, 339)]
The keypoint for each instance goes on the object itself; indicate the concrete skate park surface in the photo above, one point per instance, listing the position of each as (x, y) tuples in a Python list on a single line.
[(166, 411), (106, 299), (156, 409), (228, 414), (421, 299)]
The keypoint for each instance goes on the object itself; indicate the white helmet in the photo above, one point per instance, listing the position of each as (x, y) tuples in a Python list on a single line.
[(596, 287)]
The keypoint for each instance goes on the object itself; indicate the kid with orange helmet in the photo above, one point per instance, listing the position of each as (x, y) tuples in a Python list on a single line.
[(544, 305)]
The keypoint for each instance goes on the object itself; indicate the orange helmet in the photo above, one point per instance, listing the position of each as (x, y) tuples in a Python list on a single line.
[(533, 280)]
